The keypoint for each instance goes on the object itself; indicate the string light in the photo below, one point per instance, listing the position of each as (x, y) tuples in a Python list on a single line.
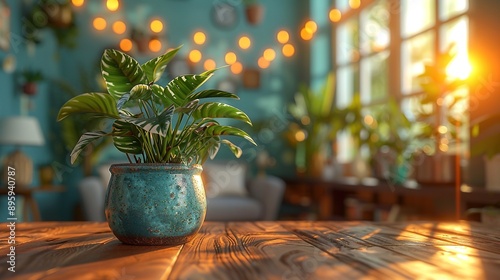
[(236, 68), (283, 36), (195, 56), (269, 54), (126, 45), (354, 3), (199, 38), (155, 45), (263, 63), (311, 26), (99, 23), (335, 15), (119, 27), (305, 34), (78, 3), (209, 64), (112, 5), (288, 50), (230, 58), (244, 42), (156, 26)]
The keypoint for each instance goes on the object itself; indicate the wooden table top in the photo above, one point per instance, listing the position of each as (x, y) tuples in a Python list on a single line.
[(259, 250)]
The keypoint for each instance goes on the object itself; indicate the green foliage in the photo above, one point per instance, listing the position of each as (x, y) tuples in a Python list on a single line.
[(440, 98), (486, 136), (155, 124)]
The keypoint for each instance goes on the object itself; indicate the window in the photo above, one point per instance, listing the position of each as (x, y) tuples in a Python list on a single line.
[(380, 47)]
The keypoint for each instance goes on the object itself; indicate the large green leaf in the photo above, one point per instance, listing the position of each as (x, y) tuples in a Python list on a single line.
[(219, 110), (178, 90), (157, 124), (211, 93), (121, 72), (96, 104), (219, 130), (126, 138), (84, 140), (154, 68), (234, 149)]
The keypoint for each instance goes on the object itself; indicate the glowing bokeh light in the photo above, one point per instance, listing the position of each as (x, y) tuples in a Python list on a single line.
[(119, 27), (311, 26), (335, 15), (305, 34), (195, 56), (244, 42), (199, 38), (354, 3), (283, 36), (209, 64), (263, 63), (269, 54), (125, 45), (230, 58), (236, 68), (99, 23), (78, 3), (156, 26), (288, 50), (112, 5), (155, 45)]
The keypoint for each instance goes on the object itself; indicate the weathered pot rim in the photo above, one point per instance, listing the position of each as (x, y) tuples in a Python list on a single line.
[(134, 167)]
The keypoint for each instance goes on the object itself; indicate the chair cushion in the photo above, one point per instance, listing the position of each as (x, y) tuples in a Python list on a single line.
[(233, 208), (224, 179)]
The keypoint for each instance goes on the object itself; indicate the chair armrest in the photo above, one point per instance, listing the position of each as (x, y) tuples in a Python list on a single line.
[(92, 193), (268, 190)]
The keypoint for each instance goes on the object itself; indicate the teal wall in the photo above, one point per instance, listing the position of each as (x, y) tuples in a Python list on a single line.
[(266, 104)]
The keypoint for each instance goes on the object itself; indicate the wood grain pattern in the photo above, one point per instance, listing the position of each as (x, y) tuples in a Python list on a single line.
[(260, 250)]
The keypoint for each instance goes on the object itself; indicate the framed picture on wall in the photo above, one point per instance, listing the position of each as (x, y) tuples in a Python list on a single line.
[(4, 25)]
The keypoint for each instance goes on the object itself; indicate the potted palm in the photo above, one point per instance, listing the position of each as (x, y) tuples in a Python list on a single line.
[(167, 133)]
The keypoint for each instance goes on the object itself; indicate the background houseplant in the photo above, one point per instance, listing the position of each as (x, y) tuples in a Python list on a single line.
[(166, 132), (442, 114), (313, 126)]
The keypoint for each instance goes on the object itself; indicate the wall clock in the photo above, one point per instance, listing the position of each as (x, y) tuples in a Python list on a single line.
[(224, 15)]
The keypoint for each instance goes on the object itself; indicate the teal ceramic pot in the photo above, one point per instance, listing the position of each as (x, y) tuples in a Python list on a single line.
[(155, 204)]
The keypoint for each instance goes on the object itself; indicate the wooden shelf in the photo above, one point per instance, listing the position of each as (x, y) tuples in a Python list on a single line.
[(330, 196)]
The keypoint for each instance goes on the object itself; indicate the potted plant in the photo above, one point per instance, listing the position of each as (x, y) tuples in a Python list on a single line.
[(314, 124), (254, 11), (30, 80), (443, 118), (166, 133)]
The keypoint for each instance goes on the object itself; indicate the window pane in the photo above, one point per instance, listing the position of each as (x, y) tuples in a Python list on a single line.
[(348, 84), (449, 8), (375, 34), (374, 83), (414, 53), (456, 32), (347, 42), (416, 16)]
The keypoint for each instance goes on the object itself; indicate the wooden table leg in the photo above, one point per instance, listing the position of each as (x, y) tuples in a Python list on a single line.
[(31, 203)]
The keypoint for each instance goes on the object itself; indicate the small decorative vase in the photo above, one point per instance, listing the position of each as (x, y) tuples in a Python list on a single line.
[(155, 204)]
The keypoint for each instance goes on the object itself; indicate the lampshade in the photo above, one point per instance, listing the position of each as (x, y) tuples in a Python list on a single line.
[(21, 131)]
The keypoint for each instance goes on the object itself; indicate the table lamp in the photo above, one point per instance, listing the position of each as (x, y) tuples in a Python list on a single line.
[(20, 131)]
